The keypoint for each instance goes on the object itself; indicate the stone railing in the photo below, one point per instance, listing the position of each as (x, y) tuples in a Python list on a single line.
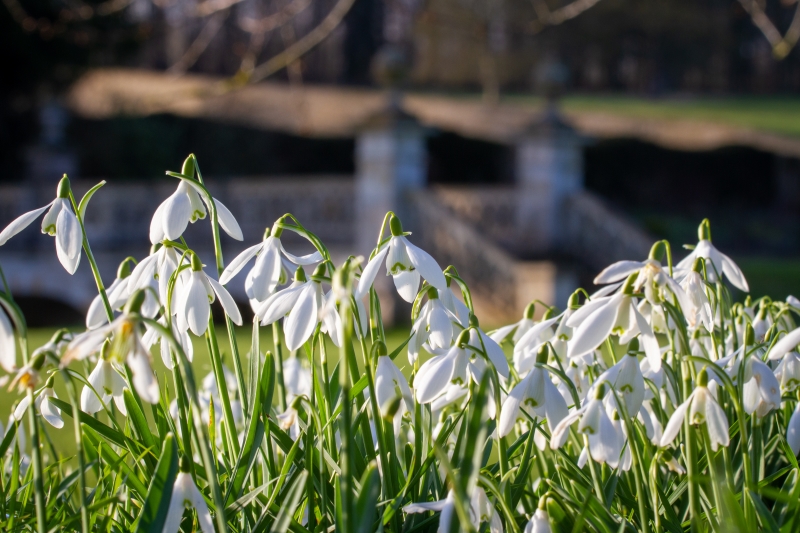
[(598, 235), (489, 209), (489, 270)]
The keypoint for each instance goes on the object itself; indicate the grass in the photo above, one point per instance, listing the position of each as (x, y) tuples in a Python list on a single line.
[(779, 115)]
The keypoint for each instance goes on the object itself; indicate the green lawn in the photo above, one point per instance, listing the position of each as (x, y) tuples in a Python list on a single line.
[(779, 115)]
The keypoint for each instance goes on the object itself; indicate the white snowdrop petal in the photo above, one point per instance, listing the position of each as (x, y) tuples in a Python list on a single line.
[(407, 284), (786, 344), (734, 273), (20, 223), (793, 431), (595, 328), (302, 319), (509, 412), (426, 265), (266, 273), (197, 308), (433, 378), (23, 404), (277, 305), (157, 224), (675, 424), (227, 221), (303, 260), (176, 214), (369, 273), (69, 240), (238, 263), (617, 271), (582, 313), (649, 341), (717, 424), (50, 412), (227, 301), (172, 523)]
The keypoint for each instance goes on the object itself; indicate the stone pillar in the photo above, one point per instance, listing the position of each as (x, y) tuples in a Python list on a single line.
[(549, 167), (391, 161)]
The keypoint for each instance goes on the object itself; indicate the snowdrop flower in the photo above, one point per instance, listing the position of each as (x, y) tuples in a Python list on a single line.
[(49, 412), (8, 344), (296, 378), (481, 511), (786, 344), (698, 310), (126, 346), (188, 204), (153, 336), (793, 431), (117, 294), (437, 374), (433, 329), (538, 397), (605, 441), (650, 277), (539, 522), (154, 272), (107, 383), (265, 275), (194, 298), (702, 408), (302, 300), (528, 346), (671, 463), (405, 262), (626, 378), (762, 392), (608, 315), (484, 344), (788, 372), (185, 494), (720, 264), (59, 221), (390, 383)]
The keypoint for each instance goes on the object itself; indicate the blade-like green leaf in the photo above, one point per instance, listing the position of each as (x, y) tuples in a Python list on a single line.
[(84, 203), (366, 504), (154, 511)]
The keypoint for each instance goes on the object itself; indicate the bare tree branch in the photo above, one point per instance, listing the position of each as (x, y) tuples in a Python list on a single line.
[(305, 44), (200, 44), (269, 23)]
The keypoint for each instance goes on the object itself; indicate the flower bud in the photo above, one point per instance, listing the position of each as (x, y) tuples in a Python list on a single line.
[(432, 293), (320, 271), (49, 383), (63, 187), (574, 300)]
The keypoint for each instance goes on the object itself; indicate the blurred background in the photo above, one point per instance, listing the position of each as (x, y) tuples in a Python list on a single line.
[(528, 142)]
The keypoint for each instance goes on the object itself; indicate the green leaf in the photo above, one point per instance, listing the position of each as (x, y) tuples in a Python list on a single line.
[(7, 439), (107, 432), (366, 505), (139, 424), (765, 519), (154, 511), (289, 505), (84, 203)]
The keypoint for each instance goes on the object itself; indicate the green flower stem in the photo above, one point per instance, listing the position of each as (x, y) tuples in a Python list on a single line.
[(78, 434), (92, 263), (691, 456), (327, 404), (278, 346), (200, 430), (345, 426), (38, 467), (222, 386)]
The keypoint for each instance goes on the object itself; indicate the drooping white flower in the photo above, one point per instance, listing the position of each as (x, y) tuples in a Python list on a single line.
[(59, 221), (788, 372), (153, 273), (786, 344), (793, 431), (718, 264), (194, 298), (651, 278), (699, 309), (406, 264), (391, 383), (702, 408), (481, 511), (517, 329), (117, 294), (185, 494), (617, 314), (538, 397), (42, 403), (762, 392), (539, 522), (188, 204), (296, 378), (107, 383), (265, 275), (126, 347), (433, 329), (529, 345), (302, 300), (605, 441), (8, 344), (626, 378), (153, 336)]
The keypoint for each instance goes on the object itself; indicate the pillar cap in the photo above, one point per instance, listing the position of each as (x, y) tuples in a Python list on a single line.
[(392, 115), (551, 124)]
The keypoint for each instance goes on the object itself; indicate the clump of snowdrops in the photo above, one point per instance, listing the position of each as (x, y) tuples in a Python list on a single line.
[(654, 403)]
